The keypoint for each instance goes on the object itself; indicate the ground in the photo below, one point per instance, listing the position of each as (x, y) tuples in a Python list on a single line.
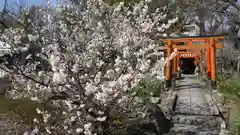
[(195, 112)]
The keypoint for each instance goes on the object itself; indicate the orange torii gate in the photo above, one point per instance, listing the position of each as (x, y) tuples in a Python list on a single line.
[(207, 46)]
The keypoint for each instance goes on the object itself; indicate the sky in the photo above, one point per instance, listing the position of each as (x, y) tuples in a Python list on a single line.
[(13, 3)]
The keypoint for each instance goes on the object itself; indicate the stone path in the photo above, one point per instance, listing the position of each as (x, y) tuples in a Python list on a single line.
[(195, 112)]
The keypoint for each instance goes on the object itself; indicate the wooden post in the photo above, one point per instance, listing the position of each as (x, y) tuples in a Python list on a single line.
[(204, 62), (168, 66), (213, 62), (175, 66), (201, 61), (165, 67), (178, 68), (177, 62), (208, 59)]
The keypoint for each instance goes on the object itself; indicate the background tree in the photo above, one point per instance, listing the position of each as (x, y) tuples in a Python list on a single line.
[(207, 15)]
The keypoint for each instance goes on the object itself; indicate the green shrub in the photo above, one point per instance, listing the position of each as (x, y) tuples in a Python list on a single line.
[(235, 125), (230, 86), (149, 87)]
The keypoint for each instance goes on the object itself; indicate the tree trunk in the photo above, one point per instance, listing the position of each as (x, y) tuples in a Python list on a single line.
[(202, 28)]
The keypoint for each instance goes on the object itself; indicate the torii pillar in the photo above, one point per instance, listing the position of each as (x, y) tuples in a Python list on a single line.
[(213, 62), (169, 65)]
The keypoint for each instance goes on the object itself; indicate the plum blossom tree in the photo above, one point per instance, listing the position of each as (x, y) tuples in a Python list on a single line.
[(94, 56)]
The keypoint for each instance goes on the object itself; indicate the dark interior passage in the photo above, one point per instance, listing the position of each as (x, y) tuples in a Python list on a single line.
[(187, 65)]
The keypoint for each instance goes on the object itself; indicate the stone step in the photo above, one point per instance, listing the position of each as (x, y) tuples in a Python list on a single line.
[(212, 121), (185, 129)]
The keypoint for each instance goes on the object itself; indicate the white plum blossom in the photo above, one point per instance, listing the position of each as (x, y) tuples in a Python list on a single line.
[(35, 131), (102, 97), (101, 118), (32, 37), (38, 111), (90, 89), (88, 128), (34, 99), (88, 58), (59, 77), (48, 130), (46, 117), (75, 68), (79, 130)]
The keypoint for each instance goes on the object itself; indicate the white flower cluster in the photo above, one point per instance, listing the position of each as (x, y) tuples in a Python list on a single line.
[(95, 55)]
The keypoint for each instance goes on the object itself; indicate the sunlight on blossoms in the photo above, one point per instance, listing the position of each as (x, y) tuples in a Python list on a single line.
[(89, 56)]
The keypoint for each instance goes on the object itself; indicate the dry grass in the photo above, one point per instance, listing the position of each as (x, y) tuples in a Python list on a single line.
[(23, 108), (16, 116)]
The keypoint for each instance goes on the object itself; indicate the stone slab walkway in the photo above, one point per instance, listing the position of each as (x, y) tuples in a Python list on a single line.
[(193, 99), (195, 113)]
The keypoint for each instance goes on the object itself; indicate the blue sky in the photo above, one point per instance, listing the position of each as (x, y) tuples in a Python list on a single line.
[(13, 3)]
